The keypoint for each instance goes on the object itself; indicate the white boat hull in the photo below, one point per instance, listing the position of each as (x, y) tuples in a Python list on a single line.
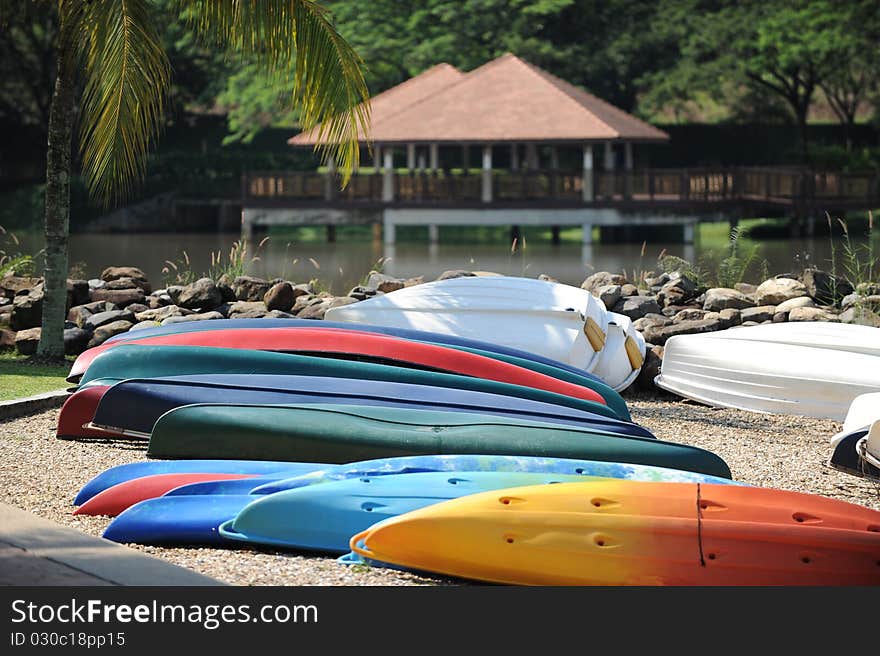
[(863, 411), (557, 321), (813, 374)]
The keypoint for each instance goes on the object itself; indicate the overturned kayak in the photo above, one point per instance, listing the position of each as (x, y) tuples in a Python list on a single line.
[(179, 517), (132, 407), (336, 434), (858, 452), (634, 533), (557, 321), (324, 517), (863, 411), (790, 368), (142, 361)]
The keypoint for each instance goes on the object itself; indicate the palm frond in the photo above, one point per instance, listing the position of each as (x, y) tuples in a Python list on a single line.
[(329, 87), (127, 75)]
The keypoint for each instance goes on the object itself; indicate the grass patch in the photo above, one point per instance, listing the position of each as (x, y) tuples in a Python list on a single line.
[(19, 377)]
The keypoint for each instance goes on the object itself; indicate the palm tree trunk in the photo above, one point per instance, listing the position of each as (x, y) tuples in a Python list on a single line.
[(58, 206)]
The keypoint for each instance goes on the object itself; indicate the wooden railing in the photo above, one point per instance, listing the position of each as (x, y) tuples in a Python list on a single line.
[(651, 186)]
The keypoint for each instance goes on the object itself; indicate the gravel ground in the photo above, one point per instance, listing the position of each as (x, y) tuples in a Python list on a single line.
[(42, 474)]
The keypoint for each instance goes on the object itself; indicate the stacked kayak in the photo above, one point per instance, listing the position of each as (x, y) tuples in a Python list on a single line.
[(856, 449), (813, 369), (562, 322)]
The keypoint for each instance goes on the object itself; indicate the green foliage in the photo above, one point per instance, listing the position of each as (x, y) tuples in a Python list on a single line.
[(12, 260), (739, 260), (237, 262), (859, 262), (672, 263)]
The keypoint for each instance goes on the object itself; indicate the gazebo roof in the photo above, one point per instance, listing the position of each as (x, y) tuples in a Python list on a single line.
[(505, 100)]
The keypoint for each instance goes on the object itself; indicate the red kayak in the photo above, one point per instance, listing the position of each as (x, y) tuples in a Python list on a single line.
[(114, 500), (78, 410), (348, 343)]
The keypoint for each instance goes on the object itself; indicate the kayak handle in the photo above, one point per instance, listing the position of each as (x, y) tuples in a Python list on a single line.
[(227, 531), (358, 546)]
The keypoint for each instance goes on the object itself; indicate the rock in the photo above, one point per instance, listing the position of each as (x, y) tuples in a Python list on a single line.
[(247, 310), (107, 331), (7, 339), (143, 325), (173, 292), (278, 314), (77, 293), (861, 316), (249, 288), (659, 334), (657, 281), (760, 313), (609, 295), (6, 317), (224, 284), (455, 273), (651, 320), (80, 313), (792, 303), (27, 341), (824, 287), (635, 307), (204, 316), (301, 303), (11, 286), (121, 297), (721, 298), (868, 288), (779, 290), (780, 317), (76, 340), (317, 307), (96, 283), (122, 283), (629, 290), (651, 367), (547, 278), (138, 277), (850, 300), (384, 283), (677, 291), (27, 309), (602, 279), (729, 317), (412, 282), (103, 318), (811, 314), (155, 302), (746, 288), (280, 297), (137, 308), (202, 294), (162, 313), (362, 293), (689, 314)]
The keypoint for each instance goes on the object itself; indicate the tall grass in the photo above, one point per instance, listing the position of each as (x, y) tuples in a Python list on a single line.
[(235, 263), (12, 259)]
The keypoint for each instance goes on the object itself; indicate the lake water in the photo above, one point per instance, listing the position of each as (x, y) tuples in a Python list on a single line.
[(342, 265)]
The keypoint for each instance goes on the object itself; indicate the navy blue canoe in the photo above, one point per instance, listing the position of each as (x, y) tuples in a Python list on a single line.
[(133, 406)]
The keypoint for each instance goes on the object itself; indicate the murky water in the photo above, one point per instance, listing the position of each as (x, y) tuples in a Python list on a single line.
[(342, 265)]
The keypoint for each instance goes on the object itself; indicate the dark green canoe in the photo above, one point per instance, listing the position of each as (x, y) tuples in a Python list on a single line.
[(142, 361), (343, 433)]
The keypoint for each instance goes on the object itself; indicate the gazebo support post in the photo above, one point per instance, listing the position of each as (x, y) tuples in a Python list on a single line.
[(388, 177), (531, 157), (608, 165), (377, 158), (587, 194), (465, 159), (628, 173), (330, 179), (434, 157), (433, 234), (514, 157), (410, 156), (487, 174), (554, 232)]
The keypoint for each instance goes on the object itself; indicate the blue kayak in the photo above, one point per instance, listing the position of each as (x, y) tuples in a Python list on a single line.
[(122, 473), (135, 405), (190, 514), (325, 517)]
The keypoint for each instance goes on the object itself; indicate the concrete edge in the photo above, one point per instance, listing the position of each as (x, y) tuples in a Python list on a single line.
[(31, 404), (102, 559)]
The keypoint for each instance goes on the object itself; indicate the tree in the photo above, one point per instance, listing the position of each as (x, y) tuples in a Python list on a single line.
[(116, 47)]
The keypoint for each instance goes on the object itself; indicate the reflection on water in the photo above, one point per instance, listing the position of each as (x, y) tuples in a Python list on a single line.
[(343, 265)]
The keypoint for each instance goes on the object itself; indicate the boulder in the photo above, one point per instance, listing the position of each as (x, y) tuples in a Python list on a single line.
[(811, 314), (154, 302), (143, 325), (77, 292), (224, 284), (137, 307), (689, 314), (361, 293), (107, 331), (792, 303), (7, 339), (115, 273), (301, 303), (722, 298), (824, 287), (121, 297), (162, 313), (746, 288), (317, 307), (123, 283), (280, 297), (76, 340), (99, 319), (247, 310), (629, 289), (11, 286), (868, 288), (27, 309), (651, 367), (278, 314), (651, 320), (759, 314), (27, 341), (412, 282), (6, 316), (657, 281), (202, 294), (861, 316), (778, 290), (249, 288), (602, 279), (78, 315), (658, 335), (677, 291), (173, 292), (455, 273), (96, 283), (635, 307), (780, 317), (204, 316), (384, 283), (609, 295)]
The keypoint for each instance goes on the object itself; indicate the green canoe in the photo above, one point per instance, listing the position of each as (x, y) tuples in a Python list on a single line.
[(142, 361), (344, 433)]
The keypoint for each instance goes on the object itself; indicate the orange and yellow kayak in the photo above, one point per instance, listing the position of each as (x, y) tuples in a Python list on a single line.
[(635, 533)]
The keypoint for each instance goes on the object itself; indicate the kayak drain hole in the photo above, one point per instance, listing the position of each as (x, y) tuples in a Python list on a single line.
[(806, 560), (509, 540), (711, 556)]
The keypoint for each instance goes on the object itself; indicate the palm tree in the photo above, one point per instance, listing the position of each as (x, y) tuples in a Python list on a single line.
[(115, 47)]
